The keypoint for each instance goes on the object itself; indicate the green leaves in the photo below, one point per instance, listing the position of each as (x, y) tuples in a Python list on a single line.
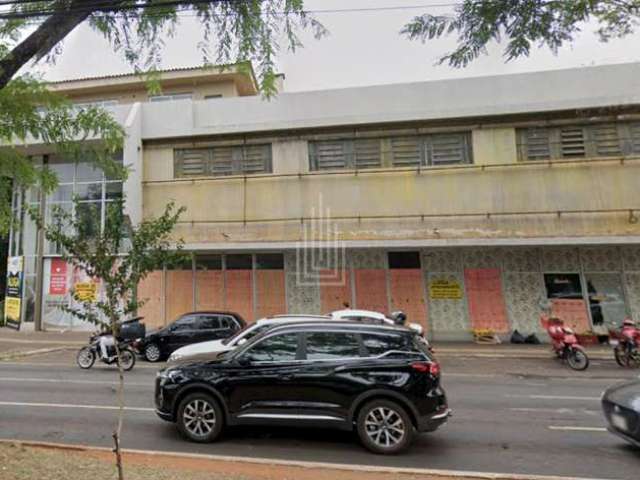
[(232, 32), (120, 255), (31, 113), (523, 23)]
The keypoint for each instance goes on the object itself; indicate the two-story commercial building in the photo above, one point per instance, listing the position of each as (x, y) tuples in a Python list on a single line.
[(464, 203)]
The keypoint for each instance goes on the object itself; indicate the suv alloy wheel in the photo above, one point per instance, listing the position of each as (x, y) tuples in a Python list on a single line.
[(200, 418), (152, 352), (384, 427)]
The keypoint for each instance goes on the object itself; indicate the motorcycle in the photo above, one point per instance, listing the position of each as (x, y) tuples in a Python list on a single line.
[(626, 344), (129, 331), (87, 356), (565, 343)]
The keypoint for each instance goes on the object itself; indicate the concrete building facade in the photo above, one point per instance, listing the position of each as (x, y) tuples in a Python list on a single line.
[(465, 203)]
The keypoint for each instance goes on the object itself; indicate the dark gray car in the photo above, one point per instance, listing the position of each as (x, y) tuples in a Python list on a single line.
[(621, 406)]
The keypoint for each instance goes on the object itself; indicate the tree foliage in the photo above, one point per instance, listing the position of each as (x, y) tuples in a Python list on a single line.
[(30, 112), (119, 256), (233, 31), (523, 24)]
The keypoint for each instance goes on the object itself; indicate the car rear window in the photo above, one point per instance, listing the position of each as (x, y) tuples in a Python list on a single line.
[(380, 344), (332, 345)]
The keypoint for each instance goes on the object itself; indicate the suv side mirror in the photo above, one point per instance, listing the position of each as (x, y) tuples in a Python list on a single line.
[(242, 341), (244, 360)]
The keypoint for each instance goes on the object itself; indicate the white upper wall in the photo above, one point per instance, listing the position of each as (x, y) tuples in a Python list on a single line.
[(589, 87)]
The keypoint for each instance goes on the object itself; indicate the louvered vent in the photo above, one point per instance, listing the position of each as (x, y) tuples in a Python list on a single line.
[(447, 149), (191, 162), (634, 134), (572, 142), (328, 155), (406, 151), (537, 144), (367, 153), (255, 158), (221, 161), (605, 137)]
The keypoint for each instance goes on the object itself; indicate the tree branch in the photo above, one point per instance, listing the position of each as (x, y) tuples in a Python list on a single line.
[(46, 36)]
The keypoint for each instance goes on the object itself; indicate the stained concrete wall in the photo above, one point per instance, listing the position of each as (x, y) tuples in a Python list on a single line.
[(470, 202)]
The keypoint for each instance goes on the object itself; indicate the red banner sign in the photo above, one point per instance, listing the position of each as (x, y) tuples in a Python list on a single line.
[(58, 278)]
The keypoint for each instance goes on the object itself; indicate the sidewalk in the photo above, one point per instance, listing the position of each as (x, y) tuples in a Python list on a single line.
[(11, 340), (15, 344)]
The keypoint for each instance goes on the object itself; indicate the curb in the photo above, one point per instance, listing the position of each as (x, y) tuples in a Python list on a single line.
[(41, 342), (29, 353), (524, 355), (298, 463)]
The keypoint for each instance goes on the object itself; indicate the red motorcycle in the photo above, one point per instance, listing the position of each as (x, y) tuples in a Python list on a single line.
[(626, 344), (565, 344)]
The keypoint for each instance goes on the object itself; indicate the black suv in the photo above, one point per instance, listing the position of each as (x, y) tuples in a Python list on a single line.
[(189, 328), (379, 380)]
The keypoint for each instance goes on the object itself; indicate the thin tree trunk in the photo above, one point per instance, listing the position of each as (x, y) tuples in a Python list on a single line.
[(118, 431)]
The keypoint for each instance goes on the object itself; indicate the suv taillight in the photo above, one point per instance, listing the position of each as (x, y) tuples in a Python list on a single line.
[(432, 368)]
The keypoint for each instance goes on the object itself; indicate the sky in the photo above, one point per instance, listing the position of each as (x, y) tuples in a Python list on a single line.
[(363, 48)]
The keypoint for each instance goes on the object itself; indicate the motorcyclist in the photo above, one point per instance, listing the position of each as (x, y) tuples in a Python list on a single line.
[(106, 340), (630, 333)]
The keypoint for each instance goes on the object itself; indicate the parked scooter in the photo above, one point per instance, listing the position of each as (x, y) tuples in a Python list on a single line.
[(565, 343), (626, 344)]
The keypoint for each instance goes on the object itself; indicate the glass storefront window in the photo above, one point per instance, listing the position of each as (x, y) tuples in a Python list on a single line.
[(270, 261), (563, 285), (89, 215), (606, 301), (64, 169), (88, 191), (208, 262), (239, 262), (64, 193), (113, 190), (88, 172)]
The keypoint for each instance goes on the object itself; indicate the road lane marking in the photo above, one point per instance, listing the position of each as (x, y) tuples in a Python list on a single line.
[(80, 382), (555, 397), (72, 365), (66, 405), (576, 429), (568, 411)]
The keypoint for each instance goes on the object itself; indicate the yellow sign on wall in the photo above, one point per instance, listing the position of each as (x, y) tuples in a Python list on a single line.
[(85, 292), (12, 309), (445, 289)]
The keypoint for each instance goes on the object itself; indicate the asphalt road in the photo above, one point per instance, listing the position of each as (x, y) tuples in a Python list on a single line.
[(547, 422)]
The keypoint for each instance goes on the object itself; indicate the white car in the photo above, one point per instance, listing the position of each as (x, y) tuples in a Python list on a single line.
[(219, 346), (251, 330), (371, 316)]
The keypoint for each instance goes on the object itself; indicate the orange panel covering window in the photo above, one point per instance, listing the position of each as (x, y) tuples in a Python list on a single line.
[(407, 294), (573, 312), (270, 292), (239, 293), (150, 290), (179, 293), (209, 290), (335, 292), (486, 301), (371, 290)]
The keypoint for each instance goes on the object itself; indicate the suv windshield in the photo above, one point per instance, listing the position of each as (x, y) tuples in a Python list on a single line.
[(246, 333)]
